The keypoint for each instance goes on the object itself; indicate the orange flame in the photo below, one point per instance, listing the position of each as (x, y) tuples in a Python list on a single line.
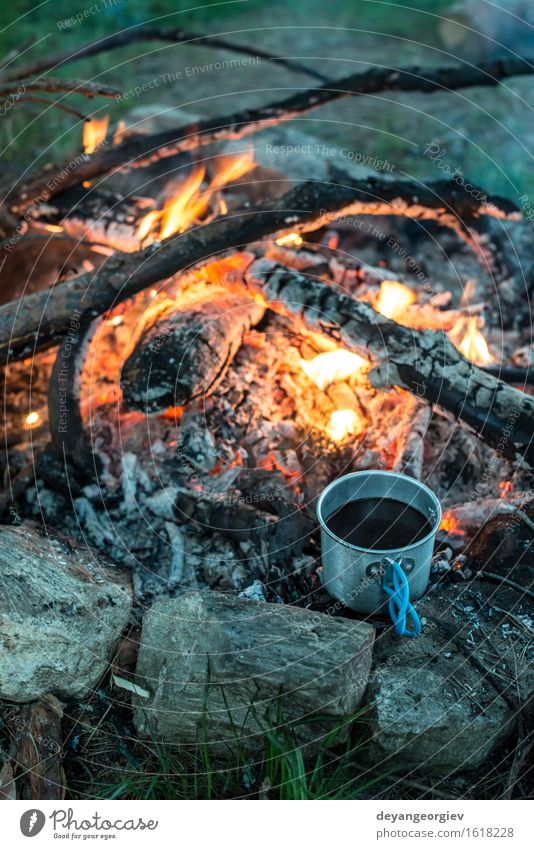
[(450, 524), (33, 419), (232, 167), (332, 367), (292, 240), (394, 298), (94, 133), (189, 203), (344, 423), (506, 488), (474, 347)]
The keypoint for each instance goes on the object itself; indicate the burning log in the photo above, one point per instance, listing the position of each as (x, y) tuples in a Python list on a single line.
[(187, 352), (139, 150), (425, 362), (467, 519), (39, 319), (98, 215)]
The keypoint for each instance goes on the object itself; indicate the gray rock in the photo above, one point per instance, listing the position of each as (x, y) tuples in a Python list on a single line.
[(431, 709), (217, 667), (478, 29), (61, 613)]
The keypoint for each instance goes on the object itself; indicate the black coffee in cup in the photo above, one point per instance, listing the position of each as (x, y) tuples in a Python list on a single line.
[(379, 523)]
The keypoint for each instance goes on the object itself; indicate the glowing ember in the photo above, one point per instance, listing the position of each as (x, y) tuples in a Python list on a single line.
[(394, 298), (474, 347), (291, 240), (52, 228), (94, 133), (343, 423), (449, 524), (33, 419), (332, 367), (102, 249), (272, 463), (506, 488), (189, 204), (171, 413)]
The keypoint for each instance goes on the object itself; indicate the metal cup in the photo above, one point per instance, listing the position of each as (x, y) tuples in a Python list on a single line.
[(355, 574)]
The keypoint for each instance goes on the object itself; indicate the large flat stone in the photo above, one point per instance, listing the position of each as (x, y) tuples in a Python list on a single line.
[(219, 667), (61, 613), (431, 707)]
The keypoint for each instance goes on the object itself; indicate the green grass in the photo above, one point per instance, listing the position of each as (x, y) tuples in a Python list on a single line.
[(282, 771)]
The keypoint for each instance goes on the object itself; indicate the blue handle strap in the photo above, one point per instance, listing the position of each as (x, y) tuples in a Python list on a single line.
[(399, 603)]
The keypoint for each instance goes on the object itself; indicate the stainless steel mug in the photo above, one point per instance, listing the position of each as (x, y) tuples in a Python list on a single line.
[(355, 574)]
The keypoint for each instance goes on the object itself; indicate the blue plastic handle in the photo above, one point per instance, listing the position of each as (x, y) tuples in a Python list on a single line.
[(399, 603)]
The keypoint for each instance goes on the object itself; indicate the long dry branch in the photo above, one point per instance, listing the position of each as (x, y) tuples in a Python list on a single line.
[(59, 84), (424, 362), (37, 320), (140, 150), (136, 34)]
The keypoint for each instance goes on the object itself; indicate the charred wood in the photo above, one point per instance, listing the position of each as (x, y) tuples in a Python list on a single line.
[(42, 317), (188, 351), (280, 533), (425, 362)]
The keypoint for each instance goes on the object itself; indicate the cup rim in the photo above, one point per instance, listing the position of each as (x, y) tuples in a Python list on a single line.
[(380, 551)]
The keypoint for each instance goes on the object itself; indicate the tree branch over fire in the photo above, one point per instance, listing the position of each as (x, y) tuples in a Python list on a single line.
[(39, 319), (139, 150), (176, 36)]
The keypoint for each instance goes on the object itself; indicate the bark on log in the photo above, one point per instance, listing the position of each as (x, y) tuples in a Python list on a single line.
[(98, 216), (137, 151), (222, 672), (39, 319), (68, 436), (411, 443), (188, 351), (468, 518), (424, 362)]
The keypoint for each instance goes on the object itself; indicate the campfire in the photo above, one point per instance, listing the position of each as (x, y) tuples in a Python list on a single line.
[(283, 353), (204, 348)]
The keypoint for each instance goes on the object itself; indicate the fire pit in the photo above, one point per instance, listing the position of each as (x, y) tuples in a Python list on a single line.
[(225, 340)]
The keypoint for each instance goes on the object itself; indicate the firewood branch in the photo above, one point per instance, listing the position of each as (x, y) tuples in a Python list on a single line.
[(39, 319), (176, 36), (54, 85), (424, 362), (141, 150)]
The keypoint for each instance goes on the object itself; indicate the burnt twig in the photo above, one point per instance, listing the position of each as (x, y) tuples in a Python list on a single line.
[(60, 84), (493, 578), (177, 35)]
